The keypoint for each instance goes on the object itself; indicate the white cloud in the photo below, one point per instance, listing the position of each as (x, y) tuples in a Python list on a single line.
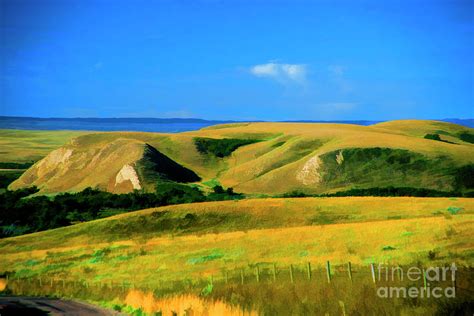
[(283, 73), (337, 76)]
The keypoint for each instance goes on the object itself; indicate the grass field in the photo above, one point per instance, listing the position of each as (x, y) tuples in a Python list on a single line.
[(194, 242), (26, 146), (201, 239)]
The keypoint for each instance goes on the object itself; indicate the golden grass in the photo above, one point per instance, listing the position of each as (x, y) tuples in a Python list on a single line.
[(181, 305), (263, 213), (3, 284), (371, 238)]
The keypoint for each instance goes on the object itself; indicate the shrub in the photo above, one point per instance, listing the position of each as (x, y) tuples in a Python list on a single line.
[(220, 147), (467, 137), (432, 137)]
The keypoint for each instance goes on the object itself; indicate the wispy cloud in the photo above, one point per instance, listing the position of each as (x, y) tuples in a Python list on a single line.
[(337, 76), (283, 73)]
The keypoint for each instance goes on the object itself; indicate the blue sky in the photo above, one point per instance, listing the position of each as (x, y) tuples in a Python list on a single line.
[(243, 60)]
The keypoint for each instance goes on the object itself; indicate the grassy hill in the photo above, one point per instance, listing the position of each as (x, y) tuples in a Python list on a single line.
[(121, 165), (195, 240), (271, 158)]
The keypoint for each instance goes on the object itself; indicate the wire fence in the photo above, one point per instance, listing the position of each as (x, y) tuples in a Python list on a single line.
[(461, 279)]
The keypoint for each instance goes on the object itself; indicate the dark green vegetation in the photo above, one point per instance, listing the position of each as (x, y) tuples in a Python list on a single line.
[(362, 167), (21, 214), (386, 191), (467, 137), (154, 166), (8, 176), (436, 137), (15, 165), (464, 178), (13, 171), (432, 137), (401, 191), (220, 147)]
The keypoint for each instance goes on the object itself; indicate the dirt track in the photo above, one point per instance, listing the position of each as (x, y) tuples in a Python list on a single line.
[(48, 306)]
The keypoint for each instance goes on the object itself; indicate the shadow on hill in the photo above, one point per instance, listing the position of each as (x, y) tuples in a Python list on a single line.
[(156, 166)]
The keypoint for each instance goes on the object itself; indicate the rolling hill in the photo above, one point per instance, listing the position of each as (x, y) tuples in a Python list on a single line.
[(192, 240), (268, 158)]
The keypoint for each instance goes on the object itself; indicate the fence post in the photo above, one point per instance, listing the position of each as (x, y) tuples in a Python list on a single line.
[(349, 270), (328, 271), (257, 271), (308, 270), (64, 284), (343, 307), (226, 277), (51, 282), (424, 278), (291, 274), (274, 271), (40, 283), (242, 276), (372, 270)]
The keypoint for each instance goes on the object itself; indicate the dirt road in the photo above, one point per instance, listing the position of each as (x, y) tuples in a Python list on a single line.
[(48, 306)]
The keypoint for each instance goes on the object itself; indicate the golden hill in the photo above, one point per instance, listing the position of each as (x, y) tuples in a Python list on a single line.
[(308, 157)]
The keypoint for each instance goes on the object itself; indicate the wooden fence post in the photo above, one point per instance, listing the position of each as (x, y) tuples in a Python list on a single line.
[(291, 274), (274, 272), (308, 270), (349, 270), (257, 271), (328, 271), (64, 284), (343, 307), (424, 278), (372, 270), (226, 277), (242, 276)]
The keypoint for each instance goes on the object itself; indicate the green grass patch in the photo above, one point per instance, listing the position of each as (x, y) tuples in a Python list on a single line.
[(216, 254)]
